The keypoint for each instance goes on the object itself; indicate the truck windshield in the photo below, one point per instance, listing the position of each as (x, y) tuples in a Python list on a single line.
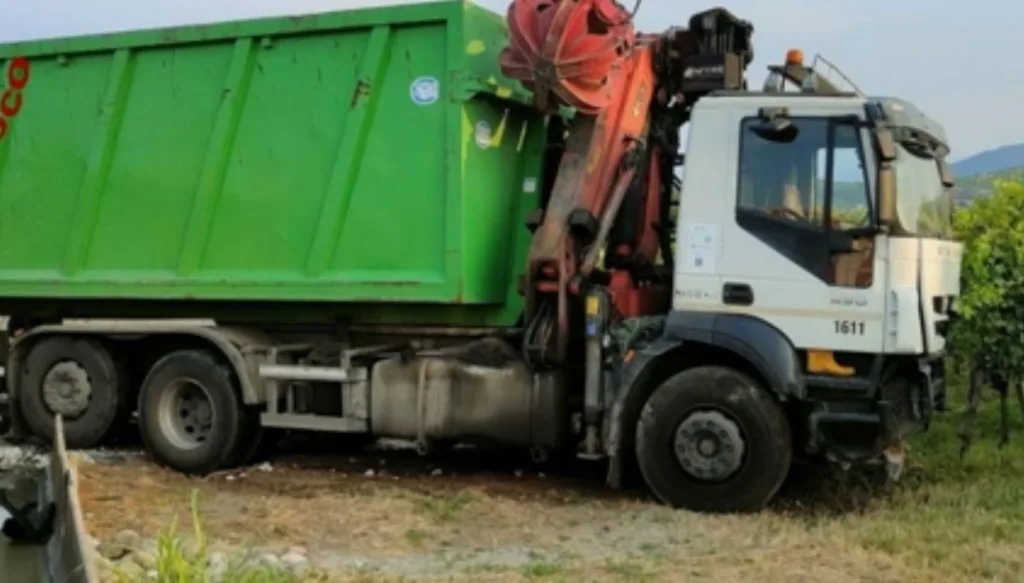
[(924, 205)]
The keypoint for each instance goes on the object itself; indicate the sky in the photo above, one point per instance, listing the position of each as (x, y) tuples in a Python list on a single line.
[(960, 63)]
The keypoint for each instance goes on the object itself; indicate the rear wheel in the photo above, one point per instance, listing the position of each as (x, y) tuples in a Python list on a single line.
[(191, 416), (711, 439), (77, 378), (258, 443)]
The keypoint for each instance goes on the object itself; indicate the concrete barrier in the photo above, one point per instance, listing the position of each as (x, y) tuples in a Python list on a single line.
[(68, 557)]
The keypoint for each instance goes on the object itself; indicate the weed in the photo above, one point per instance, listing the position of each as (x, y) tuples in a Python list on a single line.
[(537, 569), (444, 509), (628, 571), (176, 564), (416, 537)]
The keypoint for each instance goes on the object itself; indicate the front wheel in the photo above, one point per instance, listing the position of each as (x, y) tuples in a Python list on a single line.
[(191, 416), (710, 439)]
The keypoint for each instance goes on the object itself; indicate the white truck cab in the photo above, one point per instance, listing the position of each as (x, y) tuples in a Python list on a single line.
[(854, 283), (819, 224), (813, 278)]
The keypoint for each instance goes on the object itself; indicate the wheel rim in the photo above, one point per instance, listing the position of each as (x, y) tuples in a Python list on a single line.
[(709, 446), (185, 414), (67, 389)]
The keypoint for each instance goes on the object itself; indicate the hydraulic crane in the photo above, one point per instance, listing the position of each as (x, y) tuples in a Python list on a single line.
[(630, 93)]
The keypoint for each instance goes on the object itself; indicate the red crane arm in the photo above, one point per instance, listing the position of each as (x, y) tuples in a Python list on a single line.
[(586, 55)]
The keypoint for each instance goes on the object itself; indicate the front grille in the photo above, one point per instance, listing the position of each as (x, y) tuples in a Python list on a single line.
[(941, 304), (942, 309)]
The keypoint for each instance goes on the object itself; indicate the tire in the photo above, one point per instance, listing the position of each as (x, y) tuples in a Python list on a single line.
[(75, 363), (213, 435), (258, 443), (717, 404)]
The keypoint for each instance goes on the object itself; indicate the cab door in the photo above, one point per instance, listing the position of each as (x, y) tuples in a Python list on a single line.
[(799, 251)]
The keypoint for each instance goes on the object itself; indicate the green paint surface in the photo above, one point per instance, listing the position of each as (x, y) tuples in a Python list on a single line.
[(275, 159)]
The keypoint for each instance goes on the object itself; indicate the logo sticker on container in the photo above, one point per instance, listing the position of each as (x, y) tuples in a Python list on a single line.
[(12, 99), (425, 90), (483, 135)]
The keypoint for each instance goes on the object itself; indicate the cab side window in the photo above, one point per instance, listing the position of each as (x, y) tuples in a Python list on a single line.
[(777, 178), (851, 202), (784, 187)]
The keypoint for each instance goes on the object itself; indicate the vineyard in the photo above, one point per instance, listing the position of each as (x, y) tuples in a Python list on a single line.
[(989, 331)]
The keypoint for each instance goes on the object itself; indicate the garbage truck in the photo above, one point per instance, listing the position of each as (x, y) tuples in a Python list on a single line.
[(543, 230)]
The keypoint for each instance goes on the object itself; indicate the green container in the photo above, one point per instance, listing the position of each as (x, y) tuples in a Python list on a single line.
[(372, 155)]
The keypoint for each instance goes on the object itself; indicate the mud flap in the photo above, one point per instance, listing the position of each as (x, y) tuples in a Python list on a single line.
[(894, 448)]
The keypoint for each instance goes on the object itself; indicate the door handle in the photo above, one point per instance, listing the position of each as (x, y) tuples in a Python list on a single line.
[(738, 294)]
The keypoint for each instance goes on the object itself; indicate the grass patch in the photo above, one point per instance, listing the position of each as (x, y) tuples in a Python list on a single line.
[(536, 569), (486, 569), (177, 563), (444, 509), (416, 537), (962, 516), (632, 571)]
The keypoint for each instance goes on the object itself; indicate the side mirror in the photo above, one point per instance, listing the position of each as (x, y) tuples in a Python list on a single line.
[(886, 144), (946, 173), (775, 125), (886, 194), (776, 130)]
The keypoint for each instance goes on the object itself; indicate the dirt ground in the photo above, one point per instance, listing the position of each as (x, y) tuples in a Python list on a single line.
[(391, 516)]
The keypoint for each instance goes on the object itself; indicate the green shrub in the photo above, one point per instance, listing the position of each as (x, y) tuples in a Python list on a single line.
[(990, 329)]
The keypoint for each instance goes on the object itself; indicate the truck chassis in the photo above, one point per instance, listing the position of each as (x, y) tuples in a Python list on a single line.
[(211, 396)]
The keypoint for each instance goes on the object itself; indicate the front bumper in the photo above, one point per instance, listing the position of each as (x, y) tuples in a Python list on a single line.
[(858, 430)]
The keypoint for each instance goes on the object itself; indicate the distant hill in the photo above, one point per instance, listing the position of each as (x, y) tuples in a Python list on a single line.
[(980, 184), (997, 160), (975, 174)]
